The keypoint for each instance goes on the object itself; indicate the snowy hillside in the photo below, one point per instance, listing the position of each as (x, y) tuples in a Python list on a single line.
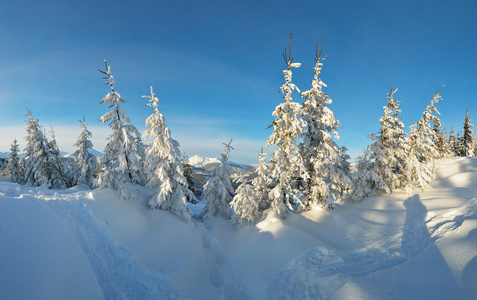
[(82, 244)]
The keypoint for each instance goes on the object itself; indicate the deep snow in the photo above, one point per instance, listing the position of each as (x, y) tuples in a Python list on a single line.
[(82, 244)]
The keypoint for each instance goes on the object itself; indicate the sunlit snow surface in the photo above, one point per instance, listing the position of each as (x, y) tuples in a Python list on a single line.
[(81, 244)]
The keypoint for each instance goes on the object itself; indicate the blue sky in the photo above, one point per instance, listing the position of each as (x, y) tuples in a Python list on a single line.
[(216, 66)]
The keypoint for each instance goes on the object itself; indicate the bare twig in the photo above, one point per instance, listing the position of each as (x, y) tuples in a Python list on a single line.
[(287, 57)]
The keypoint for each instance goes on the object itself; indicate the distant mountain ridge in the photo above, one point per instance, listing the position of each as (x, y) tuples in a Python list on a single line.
[(197, 161), (200, 161), (94, 152)]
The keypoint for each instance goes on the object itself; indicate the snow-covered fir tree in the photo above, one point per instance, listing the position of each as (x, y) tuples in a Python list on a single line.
[(164, 170), (453, 143), (84, 160), (319, 155), (460, 144), (35, 157), (124, 153), (442, 143), (59, 174), (244, 204), (366, 180), (218, 189), (189, 175), (414, 172), (13, 168), (468, 145), (388, 148), (425, 149), (340, 179), (287, 129), (261, 183)]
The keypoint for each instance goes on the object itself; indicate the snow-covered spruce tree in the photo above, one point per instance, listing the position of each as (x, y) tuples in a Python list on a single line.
[(35, 157), (453, 143), (261, 183), (124, 154), (59, 173), (218, 189), (287, 129), (442, 143), (319, 154), (426, 149), (460, 144), (388, 148), (341, 181), (414, 173), (365, 180), (469, 137), (85, 161), (164, 169), (189, 175), (244, 205), (13, 168)]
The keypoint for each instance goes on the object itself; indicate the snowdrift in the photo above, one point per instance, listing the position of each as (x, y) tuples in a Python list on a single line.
[(82, 244)]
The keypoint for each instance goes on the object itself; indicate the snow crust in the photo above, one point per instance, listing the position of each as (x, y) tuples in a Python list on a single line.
[(83, 244)]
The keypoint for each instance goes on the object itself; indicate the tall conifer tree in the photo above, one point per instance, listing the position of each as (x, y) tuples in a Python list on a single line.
[(388, 148), (287, 129), (13, 169), (35, 157), (320, 156), (164, 169), (469, 137), (426, 149), (218, 190), (124, 153), (59, 173), (85, 161), (261, 183)]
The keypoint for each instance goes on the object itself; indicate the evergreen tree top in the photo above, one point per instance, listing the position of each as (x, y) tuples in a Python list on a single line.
[(113, 98), (428, 113), (109, 76), (153, 100), (467, 120), (261, 156), (225, 154)]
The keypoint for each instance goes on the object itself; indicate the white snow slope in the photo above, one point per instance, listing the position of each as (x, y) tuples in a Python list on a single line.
[(81, 244)]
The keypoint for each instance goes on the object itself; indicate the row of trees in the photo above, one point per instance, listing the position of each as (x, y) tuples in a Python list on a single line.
[(307, 167), (42, 163)]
